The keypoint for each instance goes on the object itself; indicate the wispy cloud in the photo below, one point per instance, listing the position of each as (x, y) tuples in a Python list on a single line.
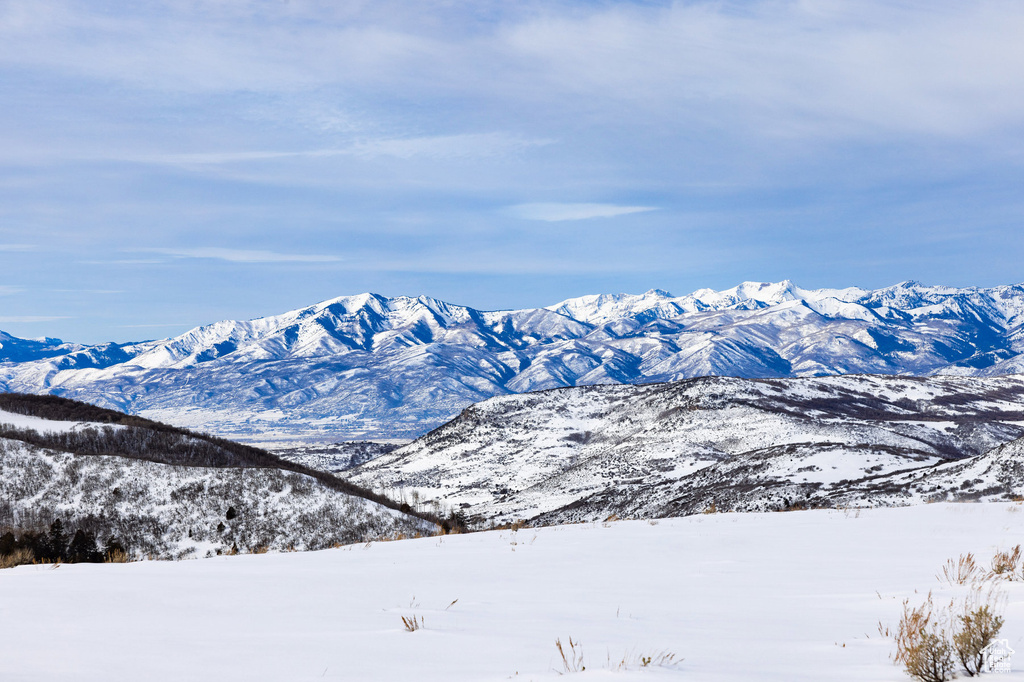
[(98, 292), (245, 255), (7, 290), (470, 145), (555, 212), (17, 247), (24, 319), (936, 67), (123, 261), (167, 325)]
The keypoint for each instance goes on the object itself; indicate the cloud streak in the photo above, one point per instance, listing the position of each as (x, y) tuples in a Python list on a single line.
[(555, 212), (243, 255), (26, 319), (465, 146)]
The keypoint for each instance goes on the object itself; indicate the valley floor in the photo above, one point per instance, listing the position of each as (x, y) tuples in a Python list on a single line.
[(738, 597)]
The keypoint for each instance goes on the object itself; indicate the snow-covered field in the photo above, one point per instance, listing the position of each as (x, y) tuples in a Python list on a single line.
[(739, 597)]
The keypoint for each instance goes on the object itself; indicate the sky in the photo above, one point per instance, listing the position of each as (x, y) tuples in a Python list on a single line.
[(169, 164)]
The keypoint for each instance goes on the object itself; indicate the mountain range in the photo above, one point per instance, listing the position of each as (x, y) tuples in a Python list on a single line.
[(368, 366)]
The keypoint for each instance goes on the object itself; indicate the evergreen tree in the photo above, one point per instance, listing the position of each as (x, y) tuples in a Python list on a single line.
[(83, 548), (8, 543), (57, 543)]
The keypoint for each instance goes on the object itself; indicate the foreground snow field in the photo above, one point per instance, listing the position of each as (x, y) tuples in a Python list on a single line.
[(739, 597)]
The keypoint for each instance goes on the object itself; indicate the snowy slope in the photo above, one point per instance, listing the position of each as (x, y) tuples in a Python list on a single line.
[(367, 366), (166, 493), (791, 597), (678, 448), (166, 511)]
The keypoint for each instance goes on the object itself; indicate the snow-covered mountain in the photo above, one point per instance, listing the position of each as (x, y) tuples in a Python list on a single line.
[(370, 366), (585, 453)]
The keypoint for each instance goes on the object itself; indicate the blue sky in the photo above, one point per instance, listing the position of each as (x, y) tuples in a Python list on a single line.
[(168, 164)]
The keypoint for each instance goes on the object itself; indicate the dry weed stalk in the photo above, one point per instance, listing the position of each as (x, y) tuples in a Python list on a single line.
[(961, 571), (632, 659), (412, 624), (573, 661)]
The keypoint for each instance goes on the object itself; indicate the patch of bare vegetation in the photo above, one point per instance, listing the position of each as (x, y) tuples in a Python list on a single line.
[(963, 570), (572, 658), (412, 623), (935, 642), (1006, 564), (634, 660)]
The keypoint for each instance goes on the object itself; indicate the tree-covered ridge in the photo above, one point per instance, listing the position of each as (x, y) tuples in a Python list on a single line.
[(124, 435)]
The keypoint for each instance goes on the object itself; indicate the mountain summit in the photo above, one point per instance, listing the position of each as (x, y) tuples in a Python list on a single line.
[(371, 366)]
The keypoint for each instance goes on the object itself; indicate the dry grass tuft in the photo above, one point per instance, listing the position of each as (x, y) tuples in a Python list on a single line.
[(961, 571), (652, 660), (1005, 564), (18, 557), (117, 556), (572, 662), (412, 623)]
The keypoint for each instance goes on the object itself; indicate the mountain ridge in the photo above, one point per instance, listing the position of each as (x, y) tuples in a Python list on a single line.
[(367, 366)]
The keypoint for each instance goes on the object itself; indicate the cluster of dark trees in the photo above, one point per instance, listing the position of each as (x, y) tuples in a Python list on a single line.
[(58, 545), (134, 442)]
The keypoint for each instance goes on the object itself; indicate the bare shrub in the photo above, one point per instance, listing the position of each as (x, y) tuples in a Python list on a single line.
[(117, 556), (572, 662), (962, 571), (922, 643), (931, 640), (978, 625), (412, 623), (979, 628), (1004, 564)]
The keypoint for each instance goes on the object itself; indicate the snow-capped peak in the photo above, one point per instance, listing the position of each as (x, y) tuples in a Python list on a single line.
[(376, 366)]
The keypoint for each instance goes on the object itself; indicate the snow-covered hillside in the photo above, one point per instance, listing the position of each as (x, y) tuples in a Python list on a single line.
[(679, 448), (166, 493), (793, 597), (370, 366), (166, 511)]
